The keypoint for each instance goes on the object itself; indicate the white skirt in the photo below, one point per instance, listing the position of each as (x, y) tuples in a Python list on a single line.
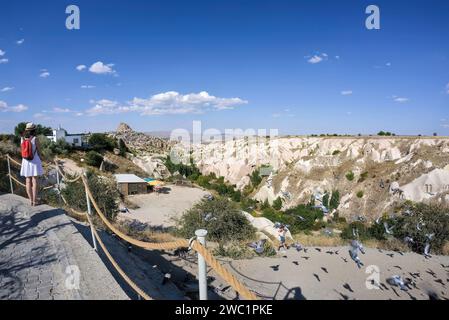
[(32, 168)]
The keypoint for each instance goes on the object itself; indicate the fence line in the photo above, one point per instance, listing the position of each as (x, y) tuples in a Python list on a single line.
[(194, 244)]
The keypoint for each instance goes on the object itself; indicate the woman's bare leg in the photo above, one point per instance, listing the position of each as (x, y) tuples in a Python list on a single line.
[(35, 188), (29, 190)]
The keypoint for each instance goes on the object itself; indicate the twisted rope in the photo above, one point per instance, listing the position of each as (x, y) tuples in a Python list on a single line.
[(64, 176), (131, 283)]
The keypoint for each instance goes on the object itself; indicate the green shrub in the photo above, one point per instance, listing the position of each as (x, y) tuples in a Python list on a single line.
[(350, 176), (255, 178), (104, 190), (234, 251), (94, 159), (436, 220), (334, 201), (360, 194), (277, 204), (336, 152), (265, 205), (225, 223)]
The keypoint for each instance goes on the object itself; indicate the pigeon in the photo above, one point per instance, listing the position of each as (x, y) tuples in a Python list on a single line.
[(397, 281), (378, 220), (427, 251), (318, 249), (330, 252), (305, 250), (409, 240), (348, 287), (387, 229), (415, 275), (301, 218), (305, 258), (433, 274), (328, 232), (398, 267), (445, 266), (275, 268), (209, 217), (344, 259), (337, 252), (440, 282), (317, 277), (353, 252), (324, 269), (391, 255), (296, 263), (297, 246), (258, 246)]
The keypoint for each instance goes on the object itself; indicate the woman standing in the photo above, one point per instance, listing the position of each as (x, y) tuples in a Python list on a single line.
[(31, 162)]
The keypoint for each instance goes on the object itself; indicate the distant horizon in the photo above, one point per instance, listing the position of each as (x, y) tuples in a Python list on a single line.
[(301, 67)]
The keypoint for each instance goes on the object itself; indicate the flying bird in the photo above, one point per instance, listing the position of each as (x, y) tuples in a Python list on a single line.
[(353, 252), (387, 229), (324, 269), (296, 263), (397, 281), (317, 277)]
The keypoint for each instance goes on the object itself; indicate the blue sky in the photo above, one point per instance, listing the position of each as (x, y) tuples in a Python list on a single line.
[(159, 65)]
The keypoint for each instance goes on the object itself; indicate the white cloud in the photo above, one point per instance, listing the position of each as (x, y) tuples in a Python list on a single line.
[(388, 64), (19, 42), (44, 73), (84, 86), (2, 53), (170, 102), (101, 68), (6, 89), (61, 110), (337, 57), (81, 67), (276, 115), (346, 93), (4, 107), (4, 60), (400, 99), (315, 59)]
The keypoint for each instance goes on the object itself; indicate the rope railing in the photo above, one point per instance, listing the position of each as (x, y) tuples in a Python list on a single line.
[(214, 263), (222, 271)]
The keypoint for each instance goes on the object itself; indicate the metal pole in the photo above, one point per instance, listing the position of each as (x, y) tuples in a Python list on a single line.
[(89, 212), (202, 268), (9, 174)]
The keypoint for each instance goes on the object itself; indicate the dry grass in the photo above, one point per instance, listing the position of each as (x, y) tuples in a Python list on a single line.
[(445, 249), (319, 240)]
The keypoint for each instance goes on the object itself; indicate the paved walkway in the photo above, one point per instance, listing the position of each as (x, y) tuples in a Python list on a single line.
[(43, 255)]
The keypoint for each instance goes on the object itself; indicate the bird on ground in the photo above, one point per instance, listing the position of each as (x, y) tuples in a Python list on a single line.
[(305, 258), (415, 275), (391, 255), (317, 277), (318, 249), (344, 259), (275, 268), (297, 246), (330, 252), (296, 263), (337, 252), (324, 269), (445, 266)]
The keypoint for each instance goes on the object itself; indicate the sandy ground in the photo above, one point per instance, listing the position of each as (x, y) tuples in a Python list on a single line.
[(315, 275), (157, 209), (70, 166)]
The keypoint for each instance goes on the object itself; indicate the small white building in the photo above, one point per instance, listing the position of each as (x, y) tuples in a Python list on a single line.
[(75, 140)]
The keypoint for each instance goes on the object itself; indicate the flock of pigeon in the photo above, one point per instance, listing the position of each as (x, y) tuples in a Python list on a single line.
[(356, 247)]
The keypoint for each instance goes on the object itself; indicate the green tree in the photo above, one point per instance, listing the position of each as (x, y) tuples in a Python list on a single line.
[(255, 178), (350, 176), (101, 142), (326, 199)]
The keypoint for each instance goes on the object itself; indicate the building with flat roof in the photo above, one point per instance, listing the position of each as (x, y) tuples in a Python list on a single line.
[(129, 184), (75, 139)]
